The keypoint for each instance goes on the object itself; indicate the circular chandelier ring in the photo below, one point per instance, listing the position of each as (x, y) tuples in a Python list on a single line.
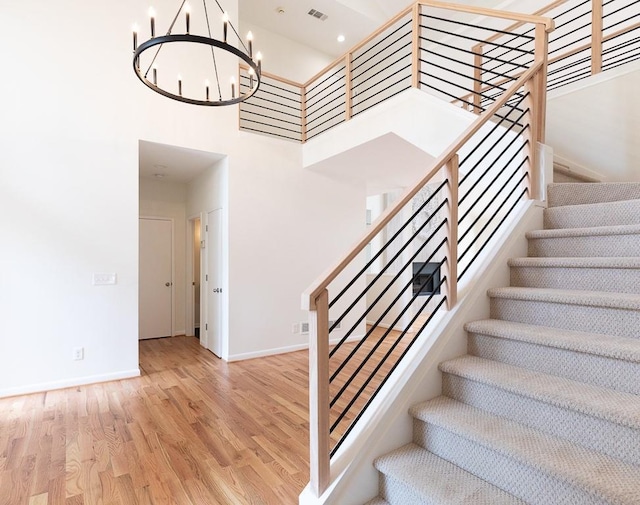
[(195, 39)]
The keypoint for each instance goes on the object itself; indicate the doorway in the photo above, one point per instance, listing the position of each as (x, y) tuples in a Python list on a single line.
[(212, 302), (196, 273), (155, 302)]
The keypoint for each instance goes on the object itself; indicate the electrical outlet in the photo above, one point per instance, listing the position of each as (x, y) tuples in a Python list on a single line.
[(304, 328), (104, 279), (295, 328), (78, 353)]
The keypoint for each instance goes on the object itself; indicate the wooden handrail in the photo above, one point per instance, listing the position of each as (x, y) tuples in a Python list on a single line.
[(275, 77), (322, 283)]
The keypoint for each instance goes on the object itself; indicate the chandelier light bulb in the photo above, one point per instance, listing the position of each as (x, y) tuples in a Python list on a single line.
[(152, 19), (250, 40), (259, 60), (135, 29), (187, 16), (233, 87), (225, 26)]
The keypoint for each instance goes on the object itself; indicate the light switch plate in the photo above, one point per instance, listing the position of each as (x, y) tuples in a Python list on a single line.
[(104, 279)]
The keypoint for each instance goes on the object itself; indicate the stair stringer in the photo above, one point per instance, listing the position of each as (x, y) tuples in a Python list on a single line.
[(387, 425)]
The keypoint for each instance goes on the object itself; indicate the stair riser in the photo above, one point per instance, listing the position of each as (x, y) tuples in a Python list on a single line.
[(609, 438), (612, 280), (571, 194), (526, 482), (590, 246), (611, 373), (396, 492), (610, 214), (611, 321)]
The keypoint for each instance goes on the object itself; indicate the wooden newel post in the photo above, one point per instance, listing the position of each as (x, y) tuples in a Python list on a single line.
[(451, 265), (537, 105), (596, 36), (319, 394), (303, 113), (477, 78), (348, 66), (415, 47)]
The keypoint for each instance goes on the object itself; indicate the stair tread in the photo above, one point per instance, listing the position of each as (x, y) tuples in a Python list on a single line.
[(377, 501), (561, 194), (610, 346), (629, 301), (593, 231), (603, 476), (602, 403), (438, 480), (624, 212), (622, 262)]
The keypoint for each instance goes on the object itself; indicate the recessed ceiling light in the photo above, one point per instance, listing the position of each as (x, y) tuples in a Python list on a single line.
[(341, 38)]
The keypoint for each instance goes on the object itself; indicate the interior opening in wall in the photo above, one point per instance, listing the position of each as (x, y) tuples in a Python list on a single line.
[(426, 278), (195, 276)]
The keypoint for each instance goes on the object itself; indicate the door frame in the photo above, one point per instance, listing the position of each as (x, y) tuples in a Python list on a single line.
[(190, 328), (173, 267)]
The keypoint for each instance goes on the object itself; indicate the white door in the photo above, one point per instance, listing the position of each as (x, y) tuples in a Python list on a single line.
[(213, 326), (155, 283)]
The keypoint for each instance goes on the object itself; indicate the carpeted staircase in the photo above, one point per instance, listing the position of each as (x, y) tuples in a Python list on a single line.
[(545, 408)]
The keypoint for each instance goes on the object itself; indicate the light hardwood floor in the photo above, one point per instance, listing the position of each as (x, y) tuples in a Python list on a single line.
[(192, 430)]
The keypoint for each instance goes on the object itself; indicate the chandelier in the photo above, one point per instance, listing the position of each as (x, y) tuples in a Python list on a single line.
[(173, 50)]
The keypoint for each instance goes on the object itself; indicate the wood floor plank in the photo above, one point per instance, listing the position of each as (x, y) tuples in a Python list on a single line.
[(192, 430)]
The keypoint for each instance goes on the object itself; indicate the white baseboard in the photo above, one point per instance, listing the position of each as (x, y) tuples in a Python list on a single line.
[(67, 383), (285, 350)]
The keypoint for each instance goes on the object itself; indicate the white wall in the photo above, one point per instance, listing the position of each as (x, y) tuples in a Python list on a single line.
[(166, 199), (594, 123), (69, 199), (285, 57)]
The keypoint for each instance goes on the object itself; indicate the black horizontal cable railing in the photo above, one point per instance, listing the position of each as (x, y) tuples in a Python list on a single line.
[(275, 109), (326, 101), (573, 50), (382, 68)]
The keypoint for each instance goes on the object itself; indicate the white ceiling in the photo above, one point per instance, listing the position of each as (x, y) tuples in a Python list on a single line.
[(173, 164)]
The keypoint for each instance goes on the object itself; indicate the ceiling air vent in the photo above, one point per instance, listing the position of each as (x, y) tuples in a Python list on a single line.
[(317, 14)]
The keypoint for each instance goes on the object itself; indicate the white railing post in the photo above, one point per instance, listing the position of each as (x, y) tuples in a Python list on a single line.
[(451, 265), (319, 394)]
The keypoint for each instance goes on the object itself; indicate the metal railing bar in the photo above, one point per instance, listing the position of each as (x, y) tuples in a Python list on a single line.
[(563, 82), (466, 51), (355, 68), (495, 127), (620, 9), (389, 352), (265, 92), (267, 117), (384, 380), (344, 387), (333, 83), (325, 122), (486, 208), (618, 23), (357, 104), (272, 101), (573, 42), (271, 126), (464, 63), (355, 100), (586, 59), (339, 106), (488, 29), (507, 214), (612, 56), (340, 69), (616, 64), (472, 206), (266, 83), (493, 215), (270, 133), (463, 75), (473, 39), (366, 290), (367, 79), (356, 58), (369, 332), (384, 248), (325, 97), (262, 107)]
